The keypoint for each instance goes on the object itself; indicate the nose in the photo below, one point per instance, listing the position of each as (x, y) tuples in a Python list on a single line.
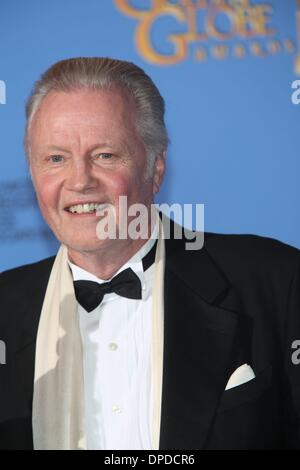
[(80, 177)]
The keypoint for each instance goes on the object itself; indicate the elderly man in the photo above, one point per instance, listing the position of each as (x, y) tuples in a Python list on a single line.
[(134, 342)]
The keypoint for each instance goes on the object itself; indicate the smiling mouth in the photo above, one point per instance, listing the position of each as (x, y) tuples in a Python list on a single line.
[(86, 208)]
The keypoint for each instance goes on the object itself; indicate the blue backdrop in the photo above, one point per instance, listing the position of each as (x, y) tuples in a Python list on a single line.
[(225, 69)]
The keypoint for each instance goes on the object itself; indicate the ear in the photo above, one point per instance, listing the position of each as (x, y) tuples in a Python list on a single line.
[(158, 172)]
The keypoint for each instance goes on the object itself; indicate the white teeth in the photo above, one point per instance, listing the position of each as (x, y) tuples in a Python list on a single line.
[(101, 207), (84, 208)]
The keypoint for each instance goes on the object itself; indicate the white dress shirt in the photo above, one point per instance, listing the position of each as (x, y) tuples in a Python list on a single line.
[(116, 339)]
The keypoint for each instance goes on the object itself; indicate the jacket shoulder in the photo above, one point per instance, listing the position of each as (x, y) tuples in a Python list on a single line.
[(250, 244), (253, 255), (22, 291), (27, 274)]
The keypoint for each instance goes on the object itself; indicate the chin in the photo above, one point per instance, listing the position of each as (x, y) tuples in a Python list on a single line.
[(82, 246)]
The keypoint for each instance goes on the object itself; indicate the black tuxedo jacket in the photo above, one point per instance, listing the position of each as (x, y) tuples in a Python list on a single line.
[(235, 301)]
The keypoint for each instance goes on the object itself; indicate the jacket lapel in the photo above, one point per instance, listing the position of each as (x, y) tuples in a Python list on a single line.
[(198, 346), (25, 339), (33, 292)]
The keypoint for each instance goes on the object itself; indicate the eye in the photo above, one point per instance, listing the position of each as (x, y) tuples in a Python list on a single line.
[(56, 158), (104, 156)]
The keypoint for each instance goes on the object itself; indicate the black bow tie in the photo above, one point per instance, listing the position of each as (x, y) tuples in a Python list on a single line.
[(89, 294)]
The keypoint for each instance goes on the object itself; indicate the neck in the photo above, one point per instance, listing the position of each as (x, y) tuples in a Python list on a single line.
[(106, 261)]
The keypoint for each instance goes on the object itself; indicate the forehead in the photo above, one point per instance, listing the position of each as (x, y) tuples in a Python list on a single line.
[(84, 110)]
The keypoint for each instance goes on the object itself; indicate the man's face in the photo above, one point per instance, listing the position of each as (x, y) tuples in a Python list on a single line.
[(84, 148)]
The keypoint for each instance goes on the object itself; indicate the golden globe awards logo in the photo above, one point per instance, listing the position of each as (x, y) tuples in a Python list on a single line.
[(215, 29)]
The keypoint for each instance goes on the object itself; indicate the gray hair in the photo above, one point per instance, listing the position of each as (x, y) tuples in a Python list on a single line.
[(102, 73)]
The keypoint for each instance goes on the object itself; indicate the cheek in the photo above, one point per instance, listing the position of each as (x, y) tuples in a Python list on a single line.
[(47, 192), (121, 184), (134, 185)]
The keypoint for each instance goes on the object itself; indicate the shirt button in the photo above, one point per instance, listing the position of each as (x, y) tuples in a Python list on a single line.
[(116, 409), (112, 346)]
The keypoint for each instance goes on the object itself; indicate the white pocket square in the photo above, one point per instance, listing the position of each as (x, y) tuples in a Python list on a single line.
[(240, 376)]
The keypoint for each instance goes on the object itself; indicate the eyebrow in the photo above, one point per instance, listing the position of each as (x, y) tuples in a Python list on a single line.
[(91, 149), (58, 148)]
